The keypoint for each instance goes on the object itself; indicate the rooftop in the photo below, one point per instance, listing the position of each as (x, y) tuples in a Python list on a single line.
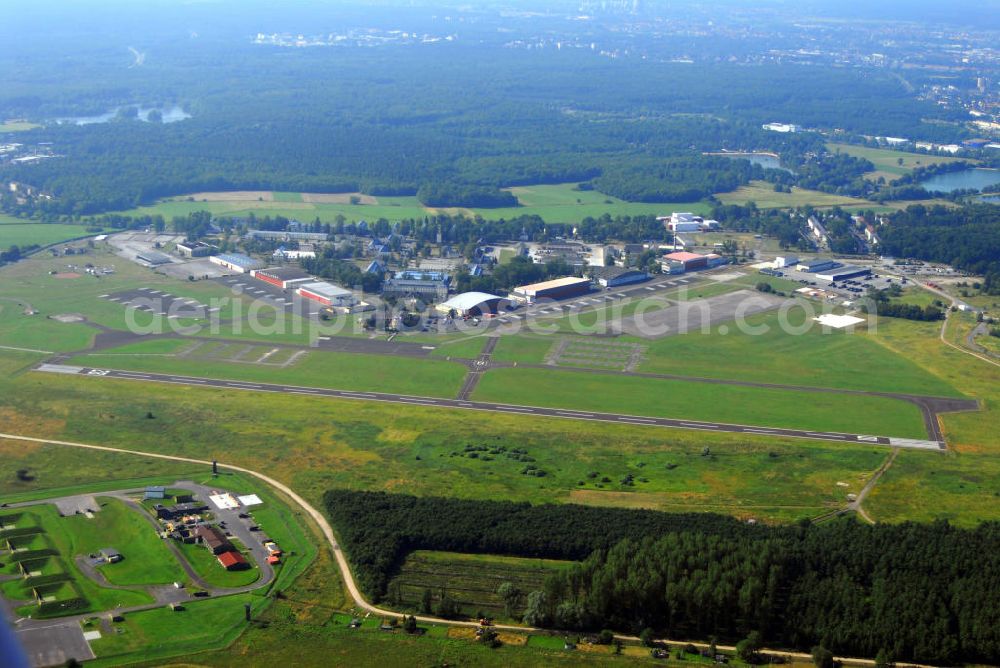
[(684, 256), (554, 283), (284, 273), (468, 300), (324, 289)]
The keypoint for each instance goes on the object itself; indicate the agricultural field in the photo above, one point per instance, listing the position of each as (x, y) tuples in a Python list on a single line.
[(38, 234), (471, 580), (892, 164), (762, 193)]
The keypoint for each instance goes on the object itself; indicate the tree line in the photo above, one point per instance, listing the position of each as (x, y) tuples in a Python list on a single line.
[(920, 592)]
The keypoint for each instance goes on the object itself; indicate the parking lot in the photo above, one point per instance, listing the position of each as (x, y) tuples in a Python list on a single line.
[(159, 302), (851, 289)]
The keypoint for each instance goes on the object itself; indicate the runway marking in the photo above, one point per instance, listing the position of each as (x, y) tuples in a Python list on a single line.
[(699, 425), (246, 385), (650, 288), (636, 419), (621, 294)]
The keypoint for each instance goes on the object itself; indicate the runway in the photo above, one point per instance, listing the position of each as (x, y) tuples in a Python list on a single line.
[(510, 409)]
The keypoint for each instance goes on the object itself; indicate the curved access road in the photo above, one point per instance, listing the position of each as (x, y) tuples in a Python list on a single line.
[(345, 569)]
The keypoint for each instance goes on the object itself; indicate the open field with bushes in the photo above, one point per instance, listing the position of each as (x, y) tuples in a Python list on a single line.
[(560, 203)]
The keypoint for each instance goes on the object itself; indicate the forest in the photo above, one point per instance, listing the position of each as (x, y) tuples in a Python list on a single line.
[(967, 237), (450, 123), (919, 592)]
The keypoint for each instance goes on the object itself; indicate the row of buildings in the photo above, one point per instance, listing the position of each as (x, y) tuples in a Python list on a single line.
[(290, 278)]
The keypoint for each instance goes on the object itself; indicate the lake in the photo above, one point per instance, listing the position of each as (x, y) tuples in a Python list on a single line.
[(975, 178), (765, 160), (170, 115)]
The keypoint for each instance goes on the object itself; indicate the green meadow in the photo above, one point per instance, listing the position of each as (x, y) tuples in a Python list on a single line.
[(41, 234), (656, 397), (892, 164), (560, 203)]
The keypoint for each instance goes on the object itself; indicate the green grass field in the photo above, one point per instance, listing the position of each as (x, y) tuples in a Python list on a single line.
[(763, 194), (211, 571), (887, 161), (349, 371), (560, 203), (40, 234), (701, 401), (314, 444), (77, 536), (17, 126), (469, 579)]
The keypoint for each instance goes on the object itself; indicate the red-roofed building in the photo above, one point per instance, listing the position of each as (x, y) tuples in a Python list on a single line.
[(233, 561), (691, 261), (274, 559)]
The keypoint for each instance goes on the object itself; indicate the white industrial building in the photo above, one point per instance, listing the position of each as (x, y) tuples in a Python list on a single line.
[(327, 294)]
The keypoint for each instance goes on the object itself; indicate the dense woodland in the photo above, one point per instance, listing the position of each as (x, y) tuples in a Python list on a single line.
[(967, 238), (449, 123), (922, 592)]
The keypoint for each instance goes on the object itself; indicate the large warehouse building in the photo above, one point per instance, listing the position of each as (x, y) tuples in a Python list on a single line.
[(559, 288), (153, 258), (612, 277), (470, 304), (236, 262), (691, 261), (843, 273), (282, 277), (818, 264), (430, 286), (326, 294)]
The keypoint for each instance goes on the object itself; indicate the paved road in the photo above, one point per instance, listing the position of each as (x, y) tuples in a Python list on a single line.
[(511, 409)]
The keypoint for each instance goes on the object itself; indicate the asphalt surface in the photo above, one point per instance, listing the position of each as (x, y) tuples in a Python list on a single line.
[(511, 409)]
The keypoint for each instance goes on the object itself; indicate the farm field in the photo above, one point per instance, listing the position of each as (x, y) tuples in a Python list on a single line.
[(762, 193), (41, 234), (701, 401), (887, 161), (471, 580)]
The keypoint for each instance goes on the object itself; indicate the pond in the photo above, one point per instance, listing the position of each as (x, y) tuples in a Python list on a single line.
[(765, 160), (968, 179), (170, 115)]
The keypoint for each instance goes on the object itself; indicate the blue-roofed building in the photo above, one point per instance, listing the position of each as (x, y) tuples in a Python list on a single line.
[(430, 286), (237, 262), (154, 492), (375, 267), (475, 270)]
